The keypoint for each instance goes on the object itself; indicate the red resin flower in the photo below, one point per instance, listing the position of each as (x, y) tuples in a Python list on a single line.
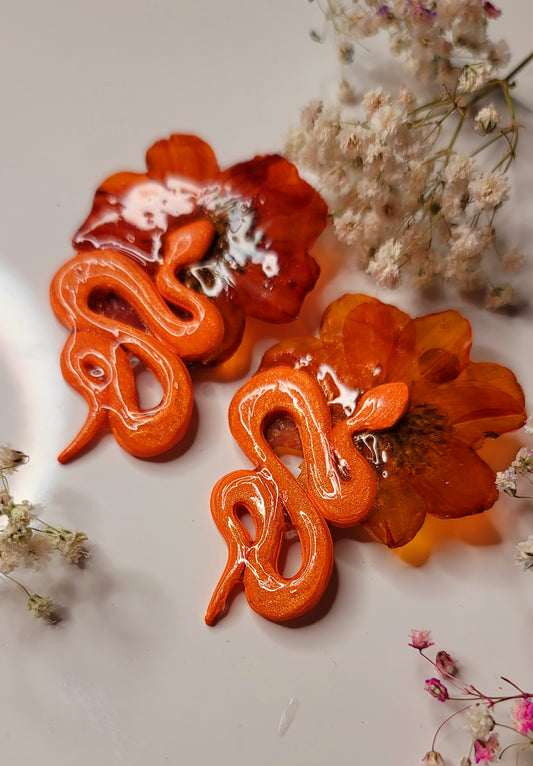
[(427, 463), (265, 216)]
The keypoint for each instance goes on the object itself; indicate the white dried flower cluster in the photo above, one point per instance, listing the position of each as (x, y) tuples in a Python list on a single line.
[(523, 462), (524, 553), (406, 204), (522, 465), (434, 39), (479, 721), (27, 541), (506, 481)]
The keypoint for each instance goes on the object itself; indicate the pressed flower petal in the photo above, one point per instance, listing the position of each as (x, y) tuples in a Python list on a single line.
[(296, 352), (327, 363), (334, 317), (398, 511), (371, 332), (234, 322), (116, 308), (274, 217), (485, 399), (119, 183), (105, 227), (283, 436), (287, 208), (454, 481), (279, 297), (182, 156), (439, 342)]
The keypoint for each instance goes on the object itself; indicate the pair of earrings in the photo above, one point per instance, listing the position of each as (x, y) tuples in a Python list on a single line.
[(387, 412)]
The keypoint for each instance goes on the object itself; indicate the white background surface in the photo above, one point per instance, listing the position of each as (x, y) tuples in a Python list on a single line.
[(132, 676)]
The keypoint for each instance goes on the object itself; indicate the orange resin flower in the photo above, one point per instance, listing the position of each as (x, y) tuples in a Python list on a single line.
[(427, 462), (266, 219), (168, 264)]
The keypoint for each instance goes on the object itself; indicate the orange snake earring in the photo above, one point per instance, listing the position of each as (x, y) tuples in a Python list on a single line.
[(97, 357), (340, 488)]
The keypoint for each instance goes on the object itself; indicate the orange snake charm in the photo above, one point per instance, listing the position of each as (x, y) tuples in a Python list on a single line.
[(340, 488), (96, 358)]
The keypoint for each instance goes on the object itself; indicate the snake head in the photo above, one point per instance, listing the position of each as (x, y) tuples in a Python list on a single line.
[(380, 408)]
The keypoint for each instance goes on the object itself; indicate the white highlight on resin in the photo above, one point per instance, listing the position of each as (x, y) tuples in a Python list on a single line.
[(347, 397), (147, 205), (287, 717)]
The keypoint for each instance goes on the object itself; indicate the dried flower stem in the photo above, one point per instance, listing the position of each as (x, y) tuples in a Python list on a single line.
[(479, 711), (28, 541), (441, 225)]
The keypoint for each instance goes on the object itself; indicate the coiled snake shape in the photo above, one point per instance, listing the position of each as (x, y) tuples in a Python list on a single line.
[(340, 488), (96, 359)]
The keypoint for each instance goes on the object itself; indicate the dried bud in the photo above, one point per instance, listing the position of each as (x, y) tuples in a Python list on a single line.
[(445, 664), (487, 120), (433, 759), (345, 93), (41, 606), (11, 459), (436, 689), (473, 77), (490, 10), (346, 53)]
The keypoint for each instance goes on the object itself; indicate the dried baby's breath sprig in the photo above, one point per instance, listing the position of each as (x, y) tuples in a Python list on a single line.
[(27, 541), (402, 190), (403, 195), (438, 41), (510, 481), (481, 713), (524, 553)]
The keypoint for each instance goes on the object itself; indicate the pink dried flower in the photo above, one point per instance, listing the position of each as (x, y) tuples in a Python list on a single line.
[(436, 689), (522, 715), (491, 11), (485, 751), (386, 12), (445, 664), (420, 639)]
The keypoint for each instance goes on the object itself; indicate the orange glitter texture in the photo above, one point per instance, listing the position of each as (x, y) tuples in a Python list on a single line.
[(96, 358), (340, 488)]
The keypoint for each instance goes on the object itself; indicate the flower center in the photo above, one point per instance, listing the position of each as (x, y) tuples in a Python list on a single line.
[(407, 446)]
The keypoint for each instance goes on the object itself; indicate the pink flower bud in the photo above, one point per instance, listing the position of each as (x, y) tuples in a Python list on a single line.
[(491, 10), (445, 664), (436, 689)]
